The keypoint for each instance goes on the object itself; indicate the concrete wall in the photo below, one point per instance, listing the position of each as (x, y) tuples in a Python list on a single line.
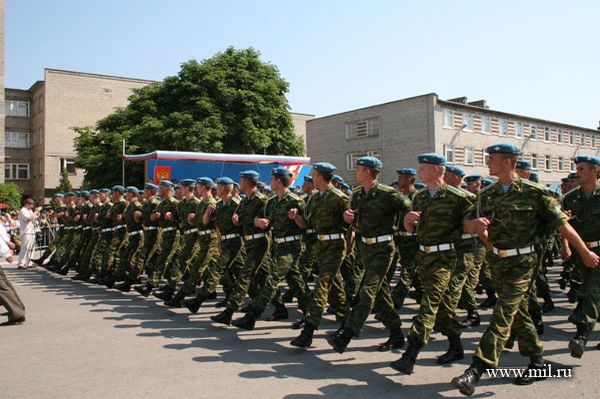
[(299, 121)]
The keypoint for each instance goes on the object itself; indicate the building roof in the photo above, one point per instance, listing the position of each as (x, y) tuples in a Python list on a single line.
[(96, 75)]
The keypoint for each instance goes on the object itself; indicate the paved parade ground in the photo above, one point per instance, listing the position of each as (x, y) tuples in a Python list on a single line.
[(84, 341)]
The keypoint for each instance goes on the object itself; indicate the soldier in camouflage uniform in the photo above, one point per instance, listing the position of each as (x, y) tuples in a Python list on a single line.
[(58, 208), (163, 258), (105, 231), (326, 216), (514, 213), (440, 215), (81, 233), (131, 245), (92, 232), (256, 243), (583, 205), (110, 259), (62, 251), (375, 207), (231, 250), (283, 217)]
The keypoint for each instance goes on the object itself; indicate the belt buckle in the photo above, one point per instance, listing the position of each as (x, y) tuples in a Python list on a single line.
[(370, 240), (426, 249), (589, 244), (502, 253)]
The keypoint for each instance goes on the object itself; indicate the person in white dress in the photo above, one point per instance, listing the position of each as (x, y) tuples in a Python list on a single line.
[(27, 226)]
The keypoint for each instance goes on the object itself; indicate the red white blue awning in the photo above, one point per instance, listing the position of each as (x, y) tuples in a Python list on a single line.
[(216, 157)]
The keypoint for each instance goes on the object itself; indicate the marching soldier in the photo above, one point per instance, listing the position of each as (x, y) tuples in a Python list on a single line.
[(131, 245), (59, 210), (119, 229), (92, 232), (105, 229)]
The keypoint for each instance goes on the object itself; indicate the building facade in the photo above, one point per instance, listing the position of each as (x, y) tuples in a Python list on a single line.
[(398, 131)]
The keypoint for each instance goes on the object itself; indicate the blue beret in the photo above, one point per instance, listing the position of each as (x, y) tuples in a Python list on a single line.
[(119, 189), (324, 167), (84, 193), (224, 180), (534, 177), (94, 191), (486, 182), (69, 194), (281, 171), (206, 181), (369, 162), (503, 148), (407, 171), (132, 189), (59, 195), (524, 165), (475, 177), (337, 179), (236, 184), (308, 179), (431, 158), (457, 170), (250, 174), (187, 182), (420, 186), (77, 193), (572, 175), (105, 190), (261, 185), (151, 186), (587, 159), (166, 183), (346, 186)]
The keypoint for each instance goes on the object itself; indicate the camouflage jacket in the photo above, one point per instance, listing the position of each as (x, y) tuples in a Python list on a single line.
[(184, 208), (276, 210), (251, 207), (129, 218), (116, 210), (148, 208), (168, 205), (201, 209), (222, 216), (585, 212), (326, 211)]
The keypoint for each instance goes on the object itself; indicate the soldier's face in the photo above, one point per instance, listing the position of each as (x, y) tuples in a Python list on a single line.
[(361, 174), (497, 164), (130, 197), (404, 181), (452, 179), (586, 172), (427, 172), (523, 174), (474, 186)]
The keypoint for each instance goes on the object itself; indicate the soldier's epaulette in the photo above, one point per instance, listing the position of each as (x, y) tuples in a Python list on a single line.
[(533, 184), (355, 190), (261, 195), (342, 194), (236, 200), (487, 188), (457, 191), (294, 196), (569, 193), (419, 192)]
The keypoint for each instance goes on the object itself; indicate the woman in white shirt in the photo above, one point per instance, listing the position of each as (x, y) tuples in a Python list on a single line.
[(27, 218)]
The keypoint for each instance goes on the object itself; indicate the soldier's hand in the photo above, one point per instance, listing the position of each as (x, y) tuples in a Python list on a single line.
[(155, 216), (235, 218), (169, 216), (77, 217), (191, 218), (565, 252), (412, 217), (120, 217), (569, 213), (211, 208), (261, 223), (479, 225), (349, 216), (590, 259), (292, 213)]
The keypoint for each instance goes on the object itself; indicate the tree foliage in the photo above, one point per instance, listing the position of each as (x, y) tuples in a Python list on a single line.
[(10, 194), (232, 102), (64, 184)]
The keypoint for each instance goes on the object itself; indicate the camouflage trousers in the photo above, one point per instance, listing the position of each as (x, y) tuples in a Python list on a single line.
[(100, 251), (110, 259), (330, 255), (163, 258), (375, 288), (147, 249), (257, 253), (353, 272), (306, 262), (208, 250), (588, 309), (468, 300), (53, 246), (76, 256), (283, 262), (435, 270), (230, 256), (183, 263), (88, 252), (512, 277), (62, 250), (71, 253), (128, 250), (406, 251)]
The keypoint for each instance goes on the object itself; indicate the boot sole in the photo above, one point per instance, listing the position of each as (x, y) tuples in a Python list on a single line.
[(462, 388), (454, 359), (336, 348), (401, 370), (576, 350)]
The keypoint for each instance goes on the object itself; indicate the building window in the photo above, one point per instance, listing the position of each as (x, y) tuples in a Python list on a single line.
[(503, 127), (19, 109), (547, 163), (593, 140), (469, 156), (532, 132), (534, 161), (16, 171), (573, 166), (561, 163), (546, 134), (449, 153), (559, 136), (519, 129), (16, 140), (468, 122), (486, 125), (68, 165), (448, 118), (40, 136), (364, 128), (571, 138), (352, 157), (486, 157)]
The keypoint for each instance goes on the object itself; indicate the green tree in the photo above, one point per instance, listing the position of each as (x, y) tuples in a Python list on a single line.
[(11, 194), (232, 102), (64, 184)]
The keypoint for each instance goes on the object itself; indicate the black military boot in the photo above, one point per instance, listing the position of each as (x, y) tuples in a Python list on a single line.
[(510, 343), (212, 295), (473, 319), (63, 271), (165, 294), (538, 323), (224, 317), (490, 301), (193, 304), (535, 372), (548, 305), (395, 341), (406, 363), (288, 297), (246, 309), (247, 322), (92, 279), (280, 313), (340, 340), (175, 302), (479, 289), (577, 344), (110, 281), (81, 276), (223, 303), (144, 290), (466, 382), (298, 324), (39, 261), (304, 340), (455, 352), (125, 286)]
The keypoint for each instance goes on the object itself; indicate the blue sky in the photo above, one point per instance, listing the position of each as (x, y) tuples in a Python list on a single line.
[(537, 58)]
